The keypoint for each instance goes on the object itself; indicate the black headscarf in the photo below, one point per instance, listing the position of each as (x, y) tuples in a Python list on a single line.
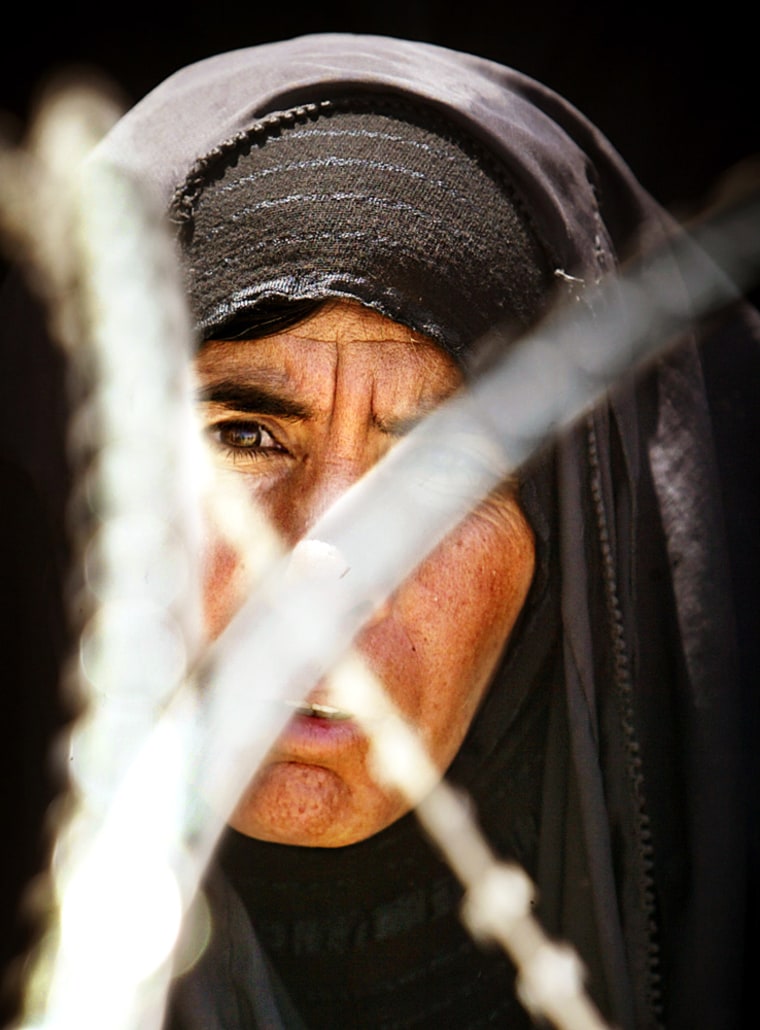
[(637, 639)]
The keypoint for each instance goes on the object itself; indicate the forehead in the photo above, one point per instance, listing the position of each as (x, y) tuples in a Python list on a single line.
[(343, 342)]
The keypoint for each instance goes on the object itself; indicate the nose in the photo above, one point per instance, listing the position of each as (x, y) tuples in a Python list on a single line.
[(319, 484), (321, 481), (323, 563), (314, 490)]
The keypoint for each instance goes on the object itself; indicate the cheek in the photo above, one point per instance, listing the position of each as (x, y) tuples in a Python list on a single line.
[(447, 626), (223, 587), (474, 586), (230, 573)]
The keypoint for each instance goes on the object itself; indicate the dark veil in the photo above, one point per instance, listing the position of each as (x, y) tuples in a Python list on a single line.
[(648, 834)]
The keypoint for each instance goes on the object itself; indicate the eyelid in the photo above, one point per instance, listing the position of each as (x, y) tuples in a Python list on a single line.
[(215, 413)]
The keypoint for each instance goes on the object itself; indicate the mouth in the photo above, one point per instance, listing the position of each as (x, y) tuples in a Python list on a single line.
[(312, 710)]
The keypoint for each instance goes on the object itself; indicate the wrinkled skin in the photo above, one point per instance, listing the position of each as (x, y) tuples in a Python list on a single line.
[(333, 395)]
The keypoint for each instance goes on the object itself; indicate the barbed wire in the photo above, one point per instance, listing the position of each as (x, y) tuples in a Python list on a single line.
[(151, 794)]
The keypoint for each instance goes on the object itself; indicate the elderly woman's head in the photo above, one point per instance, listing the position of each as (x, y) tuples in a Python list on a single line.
[(396, 243)]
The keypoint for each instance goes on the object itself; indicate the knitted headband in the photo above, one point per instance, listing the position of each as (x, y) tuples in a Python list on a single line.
[(370, 200)]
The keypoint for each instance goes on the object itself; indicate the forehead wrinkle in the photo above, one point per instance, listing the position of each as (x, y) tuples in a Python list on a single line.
[(231, 360), (309, 356), (247, 367), (353, 378), (378, 370), (434, 384), (353, 389)]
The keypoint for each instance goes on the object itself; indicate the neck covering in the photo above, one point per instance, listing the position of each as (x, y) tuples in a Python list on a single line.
[(644, 512)]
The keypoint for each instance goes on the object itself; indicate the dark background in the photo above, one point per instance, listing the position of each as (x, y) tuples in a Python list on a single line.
[(672, 85)]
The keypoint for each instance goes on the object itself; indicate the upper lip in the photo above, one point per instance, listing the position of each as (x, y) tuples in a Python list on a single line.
[(318, 710)]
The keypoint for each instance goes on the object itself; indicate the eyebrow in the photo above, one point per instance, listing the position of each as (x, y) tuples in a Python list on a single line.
[(253, 399), (400, 426), (258, 400), (403, 424)]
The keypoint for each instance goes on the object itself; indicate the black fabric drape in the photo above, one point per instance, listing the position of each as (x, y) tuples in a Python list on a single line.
[(647, 842)]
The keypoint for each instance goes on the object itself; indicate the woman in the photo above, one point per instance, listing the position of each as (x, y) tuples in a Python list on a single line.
[(354, 213)]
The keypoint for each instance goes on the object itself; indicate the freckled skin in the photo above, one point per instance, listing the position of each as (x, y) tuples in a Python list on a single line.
[(435, 644), (306, 797)]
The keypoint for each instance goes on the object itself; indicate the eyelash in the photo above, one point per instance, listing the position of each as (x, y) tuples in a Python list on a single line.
[(248, 451)]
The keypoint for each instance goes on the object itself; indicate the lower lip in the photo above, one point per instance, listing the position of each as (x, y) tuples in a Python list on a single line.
[(306, 735)]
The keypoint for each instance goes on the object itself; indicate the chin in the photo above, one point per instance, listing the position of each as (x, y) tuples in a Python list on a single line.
[(311, 806)]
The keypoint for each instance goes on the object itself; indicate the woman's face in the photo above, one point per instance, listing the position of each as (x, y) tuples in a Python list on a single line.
[(300, 416)]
